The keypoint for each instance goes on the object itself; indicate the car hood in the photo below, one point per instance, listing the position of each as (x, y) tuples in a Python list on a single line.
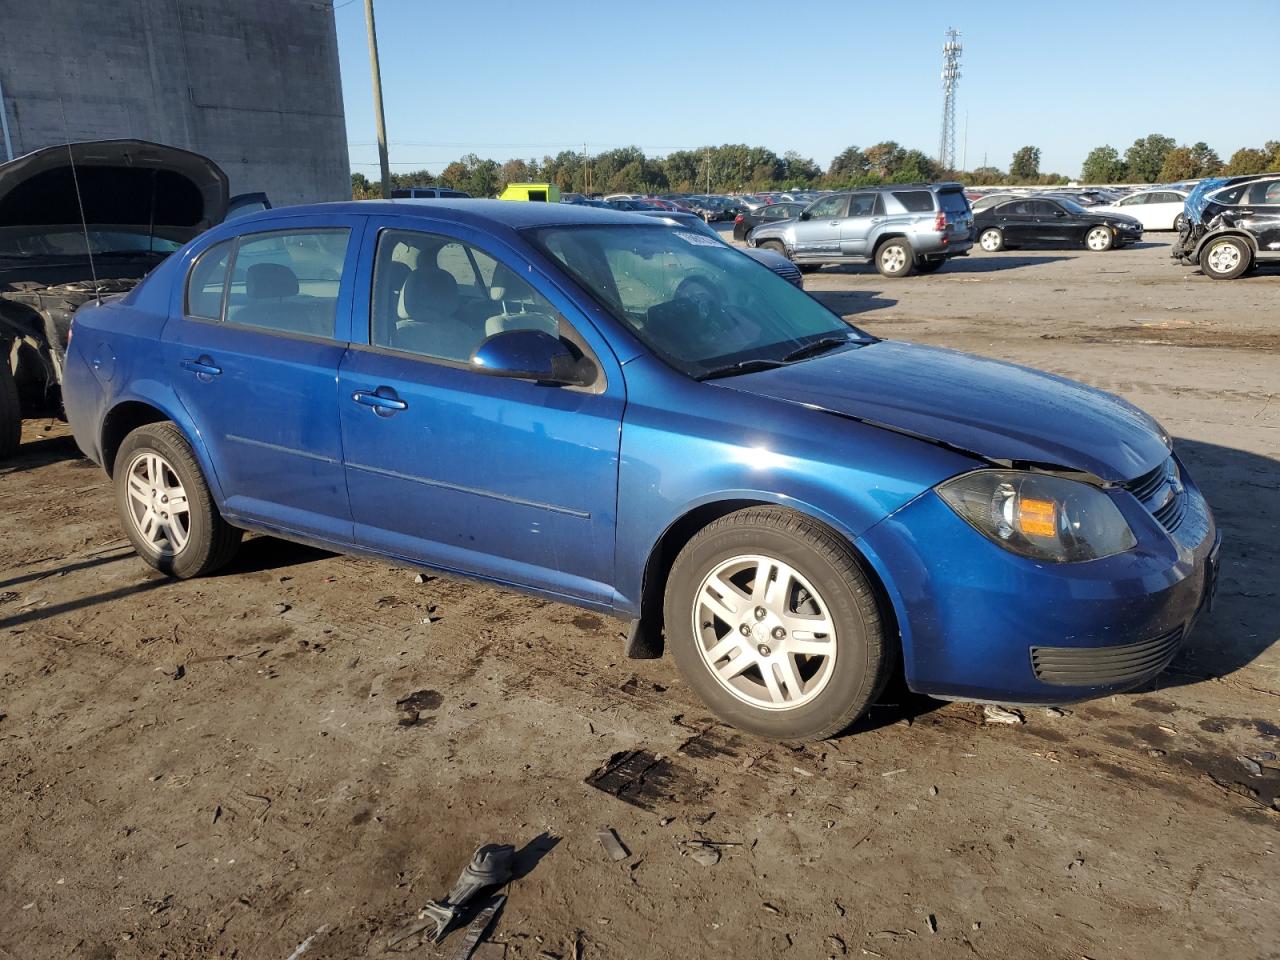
[(121, 184), (997, 411)]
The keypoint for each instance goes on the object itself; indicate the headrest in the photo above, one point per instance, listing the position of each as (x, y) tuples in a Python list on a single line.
[(428, 289), (269, 281), (505, 282)]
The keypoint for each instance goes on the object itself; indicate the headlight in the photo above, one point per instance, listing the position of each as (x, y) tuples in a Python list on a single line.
[(1040, 516)]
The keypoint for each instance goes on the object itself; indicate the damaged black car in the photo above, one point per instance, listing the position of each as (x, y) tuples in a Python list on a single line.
[(80, 222), (1232, 225)]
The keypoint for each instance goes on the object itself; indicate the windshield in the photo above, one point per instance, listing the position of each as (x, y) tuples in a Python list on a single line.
[(69, 241), (700, 305)]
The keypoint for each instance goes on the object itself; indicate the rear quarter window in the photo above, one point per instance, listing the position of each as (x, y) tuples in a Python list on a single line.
[(915, 201), (953, 201), (207, 281)]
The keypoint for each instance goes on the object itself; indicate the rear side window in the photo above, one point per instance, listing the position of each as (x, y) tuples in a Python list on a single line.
[(288, 280), (915, 201), (953, 201), (207, 281)]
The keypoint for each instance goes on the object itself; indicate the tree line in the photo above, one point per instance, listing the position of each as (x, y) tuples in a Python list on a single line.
[(1160, 159), (737, 167)]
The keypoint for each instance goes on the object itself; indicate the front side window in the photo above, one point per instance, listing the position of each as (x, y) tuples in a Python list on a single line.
[(862, 205), (828, 208), (700, 305), (208, 280), (437, 297), (288, 281)]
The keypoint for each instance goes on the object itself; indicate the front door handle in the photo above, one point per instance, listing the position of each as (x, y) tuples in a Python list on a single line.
[(383, 401), (204, 368)]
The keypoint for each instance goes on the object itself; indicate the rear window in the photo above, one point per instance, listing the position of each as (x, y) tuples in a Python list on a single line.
[(953, 201), (916, 201)]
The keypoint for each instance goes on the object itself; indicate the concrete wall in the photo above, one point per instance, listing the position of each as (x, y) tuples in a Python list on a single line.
[(254, 84)]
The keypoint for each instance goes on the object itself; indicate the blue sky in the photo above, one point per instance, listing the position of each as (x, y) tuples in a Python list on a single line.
[(513, 79)]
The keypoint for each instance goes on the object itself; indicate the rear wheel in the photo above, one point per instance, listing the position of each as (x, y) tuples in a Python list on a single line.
[(10, 408), (166, 507), (1099, 239), (991, 240), (1225, 258), (894, 258), (773, 623), (1179, 222)]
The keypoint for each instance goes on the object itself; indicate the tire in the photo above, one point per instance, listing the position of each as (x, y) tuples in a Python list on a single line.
[(929, 266), (894, 258), (10, 408), (1099, 239), (827, 691), (1179, 222), (1225, 258), (991, 240), (160, 457), (777, 246)]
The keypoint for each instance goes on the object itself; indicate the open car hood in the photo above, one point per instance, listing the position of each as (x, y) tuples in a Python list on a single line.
[(131, 184), (996, 411)]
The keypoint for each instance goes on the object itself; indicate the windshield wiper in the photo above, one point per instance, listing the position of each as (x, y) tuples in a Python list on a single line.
[(821, 345), (742, 366)]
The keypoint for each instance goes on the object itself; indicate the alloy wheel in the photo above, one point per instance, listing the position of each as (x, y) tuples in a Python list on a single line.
[(1224, 257), (990, 241), (1099, 239), (894, 258), (158, 504), (764, 633)]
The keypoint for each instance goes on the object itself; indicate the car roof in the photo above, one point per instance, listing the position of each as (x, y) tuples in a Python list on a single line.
[(512, 214)]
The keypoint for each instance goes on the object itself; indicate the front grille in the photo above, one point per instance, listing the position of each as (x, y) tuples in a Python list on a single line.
[(1104, 666), (1161, 491)]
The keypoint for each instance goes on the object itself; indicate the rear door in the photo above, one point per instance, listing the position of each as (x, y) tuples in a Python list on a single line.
[(819, 233), (1261, 215), (865, 211), (1015, 220), (252, 349), (501, 478)]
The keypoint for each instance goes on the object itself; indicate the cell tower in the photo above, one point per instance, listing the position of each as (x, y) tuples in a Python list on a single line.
[(950, 77)]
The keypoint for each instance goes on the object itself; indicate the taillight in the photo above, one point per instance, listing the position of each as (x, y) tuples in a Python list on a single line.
[(738, 218), (940, 222)]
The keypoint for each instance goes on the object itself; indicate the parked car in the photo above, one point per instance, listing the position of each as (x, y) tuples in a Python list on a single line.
[(900, 228), (427, 193), (536, 192), (774, 261), (990, 200), (1232, 225), (1053, 220), (141, 201), (743, 223), (1157, 209), (788, 504)]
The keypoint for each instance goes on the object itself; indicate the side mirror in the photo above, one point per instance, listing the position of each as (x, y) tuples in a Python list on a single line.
[(804, 215), (529, 355)]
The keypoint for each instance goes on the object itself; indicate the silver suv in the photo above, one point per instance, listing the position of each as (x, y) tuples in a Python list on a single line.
[(899, 227)]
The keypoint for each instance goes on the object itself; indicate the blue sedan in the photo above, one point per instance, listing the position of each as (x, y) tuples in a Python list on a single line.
[(641, 420)]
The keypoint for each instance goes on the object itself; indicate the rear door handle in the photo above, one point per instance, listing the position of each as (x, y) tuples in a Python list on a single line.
[(384, 400), (204, 368)]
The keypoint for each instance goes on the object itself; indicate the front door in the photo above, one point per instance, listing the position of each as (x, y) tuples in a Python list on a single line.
[(819, 233), (253, 350), (507, 479)]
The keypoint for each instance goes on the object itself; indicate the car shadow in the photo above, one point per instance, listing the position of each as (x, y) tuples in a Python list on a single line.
[(43, 453), (263, 553), (986, 263), (847, 303), (1241, 488)]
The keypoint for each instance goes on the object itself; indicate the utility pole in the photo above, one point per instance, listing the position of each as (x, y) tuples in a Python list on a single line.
[(950, 78), (377, 101), (964, 151)]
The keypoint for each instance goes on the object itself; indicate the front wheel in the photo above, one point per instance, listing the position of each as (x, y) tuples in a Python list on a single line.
[(772, 621), (10, 408), (991, 240), (894, 258), (166, 507), (1099, 239), (1225, 258)]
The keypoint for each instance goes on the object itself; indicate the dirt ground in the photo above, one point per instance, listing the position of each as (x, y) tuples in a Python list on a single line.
[(290, 758)]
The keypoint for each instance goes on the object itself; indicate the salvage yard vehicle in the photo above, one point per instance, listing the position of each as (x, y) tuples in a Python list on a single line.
[(529, 394), (544, 192), (141, 201), (745, 222), (1054, 221), (691, 221), (899, 228), (1156, 209), (1233, 225)]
